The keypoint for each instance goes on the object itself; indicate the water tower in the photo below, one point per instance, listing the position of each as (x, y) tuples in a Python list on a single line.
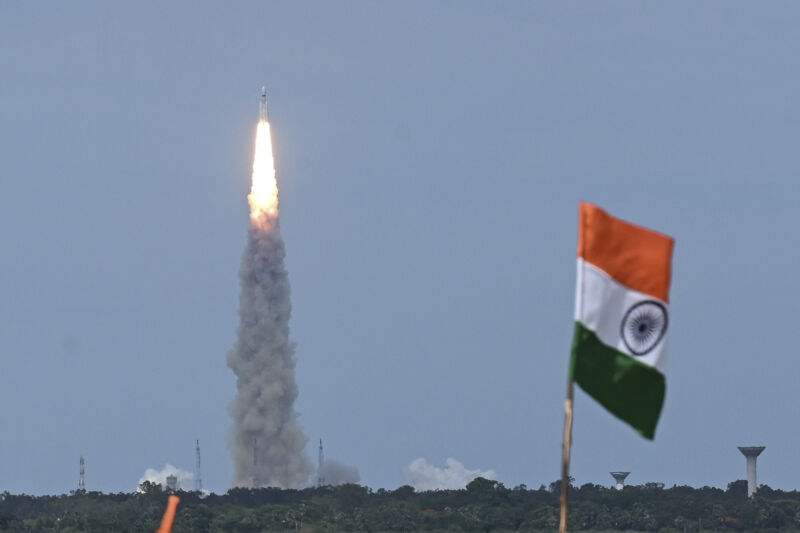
[(619, 477), (752, 453)]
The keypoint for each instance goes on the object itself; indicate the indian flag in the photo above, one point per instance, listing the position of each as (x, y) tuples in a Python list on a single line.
[(621, 317)]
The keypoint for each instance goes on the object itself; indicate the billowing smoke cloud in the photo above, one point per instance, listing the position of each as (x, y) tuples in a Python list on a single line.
[(185, 479), (422, 475), (267, 442), (335, 473)]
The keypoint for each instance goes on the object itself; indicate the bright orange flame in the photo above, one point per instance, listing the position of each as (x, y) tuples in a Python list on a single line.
[(263, 197)]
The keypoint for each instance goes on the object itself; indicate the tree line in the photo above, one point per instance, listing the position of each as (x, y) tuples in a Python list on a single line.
[(483, 506)]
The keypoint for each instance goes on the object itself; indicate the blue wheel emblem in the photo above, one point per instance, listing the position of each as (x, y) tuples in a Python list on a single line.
[(644, 326)]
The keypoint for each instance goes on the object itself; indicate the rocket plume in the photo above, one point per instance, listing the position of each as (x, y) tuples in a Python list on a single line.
[(263, 197), (267, 441)]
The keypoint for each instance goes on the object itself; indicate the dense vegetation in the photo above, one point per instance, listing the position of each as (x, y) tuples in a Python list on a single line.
[(484, 506)]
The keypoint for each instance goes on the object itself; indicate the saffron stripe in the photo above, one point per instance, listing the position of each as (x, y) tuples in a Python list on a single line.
[(636, 257)]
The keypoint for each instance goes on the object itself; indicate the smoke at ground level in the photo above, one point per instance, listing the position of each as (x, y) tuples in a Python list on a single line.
[(422, 475)]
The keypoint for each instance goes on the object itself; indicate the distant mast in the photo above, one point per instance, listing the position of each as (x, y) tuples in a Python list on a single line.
[(81, 479), (198, 483), (320, 463), (255, 463)]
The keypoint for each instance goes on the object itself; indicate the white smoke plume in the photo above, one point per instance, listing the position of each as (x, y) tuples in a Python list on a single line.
[(422, 475), (334, 473), (267, 441), (185, 479)]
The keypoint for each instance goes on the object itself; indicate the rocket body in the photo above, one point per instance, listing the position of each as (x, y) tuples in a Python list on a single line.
[(262, 106)]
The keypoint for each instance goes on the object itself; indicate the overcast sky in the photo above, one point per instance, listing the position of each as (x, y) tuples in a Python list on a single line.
[(431, 157)]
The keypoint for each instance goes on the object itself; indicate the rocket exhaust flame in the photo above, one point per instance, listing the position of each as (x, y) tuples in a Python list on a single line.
[(263, 196), (267, 441)]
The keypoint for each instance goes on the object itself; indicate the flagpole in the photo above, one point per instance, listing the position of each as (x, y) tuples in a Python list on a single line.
[(567, 445)]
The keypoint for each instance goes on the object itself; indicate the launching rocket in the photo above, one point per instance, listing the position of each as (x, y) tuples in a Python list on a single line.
[(267, 442), (262, 106)]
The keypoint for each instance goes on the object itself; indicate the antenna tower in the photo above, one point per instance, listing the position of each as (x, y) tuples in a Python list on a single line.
[(255, 463), (320, 462), (81, 480), (198, 482)]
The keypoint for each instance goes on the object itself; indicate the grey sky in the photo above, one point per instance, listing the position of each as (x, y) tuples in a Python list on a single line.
[(431, 157)]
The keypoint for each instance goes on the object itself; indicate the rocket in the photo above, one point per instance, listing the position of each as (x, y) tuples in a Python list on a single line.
[(262, 106)]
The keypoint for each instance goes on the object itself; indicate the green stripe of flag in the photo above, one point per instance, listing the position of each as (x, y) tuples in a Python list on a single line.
[(630, 390)]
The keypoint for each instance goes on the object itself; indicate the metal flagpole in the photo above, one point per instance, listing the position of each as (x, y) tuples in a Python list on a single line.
[(562, 524)]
